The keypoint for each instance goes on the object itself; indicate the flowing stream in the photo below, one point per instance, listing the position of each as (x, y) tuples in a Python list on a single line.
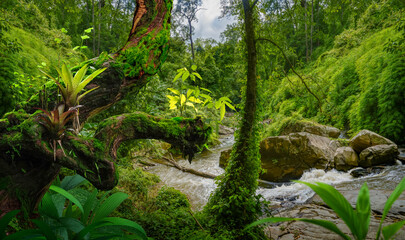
[(198, 189)]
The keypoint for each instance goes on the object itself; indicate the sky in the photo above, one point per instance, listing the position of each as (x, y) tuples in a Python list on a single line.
[(208, 25)]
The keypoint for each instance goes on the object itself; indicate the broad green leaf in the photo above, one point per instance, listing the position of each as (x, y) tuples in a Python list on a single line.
[(75, 48), (88, 30), (84, 37), (79, 76), (67, 77), (185, 75), (68, 196), (390, 230), (189, 92), (82, 234), (337, 202), (192, 77), (47, 207), (63, 30), (230, 106), (85, 93), (58, 40), (197, 75), (182, 99), (109, 205), (222, 112), (218, 104), (195, 100), (5, 220), (128, 226), (32, 234), (363, 211), (193, 67), (45, 229), (207, 90), (173, 106), (210, 105), (87, 80), (70, 182), (89, 206), (177, 76), (323, 223), (83, 47), (175, 91), (190, 104), (224, 99), (208, 97), (388, 204)]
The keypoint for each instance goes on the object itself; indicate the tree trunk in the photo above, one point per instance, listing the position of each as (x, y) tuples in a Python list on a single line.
[(312, 26), (99, 27), (94, 27), (234, 199), (306, 31), (191, 37), (27, 162)]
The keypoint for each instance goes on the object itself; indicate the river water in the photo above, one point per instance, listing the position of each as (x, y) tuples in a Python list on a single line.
[(198, 189)]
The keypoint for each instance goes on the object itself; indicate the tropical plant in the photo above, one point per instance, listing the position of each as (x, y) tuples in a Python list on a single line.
[(86, 218), (191, 95), (357, 220), (55, 123), (73, 85)]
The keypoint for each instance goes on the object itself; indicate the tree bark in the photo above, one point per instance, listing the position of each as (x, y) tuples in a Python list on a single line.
[(191, 37), (27, 162), (235, 195)]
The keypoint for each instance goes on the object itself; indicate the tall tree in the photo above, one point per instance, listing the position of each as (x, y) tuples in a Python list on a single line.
[(187, 10), (234, 203), (29, 162)]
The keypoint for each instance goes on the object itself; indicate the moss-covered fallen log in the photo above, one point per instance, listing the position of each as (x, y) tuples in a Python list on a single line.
[(28, 166)]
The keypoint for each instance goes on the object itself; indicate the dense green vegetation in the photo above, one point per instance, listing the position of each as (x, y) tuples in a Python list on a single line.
[(340, 63)]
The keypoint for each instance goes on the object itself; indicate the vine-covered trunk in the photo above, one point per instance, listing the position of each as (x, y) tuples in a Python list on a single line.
[(28, 159), (234, 203)]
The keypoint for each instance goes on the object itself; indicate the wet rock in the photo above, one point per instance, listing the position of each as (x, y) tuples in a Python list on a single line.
[(362, 172), (287, 157), (306, 231), (359, 172), (379, 154), (366, 138), (224, 130), (345, 158), (311, 127)]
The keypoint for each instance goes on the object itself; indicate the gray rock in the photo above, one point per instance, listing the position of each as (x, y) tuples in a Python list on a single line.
[(287, 157), (345, 158), (311, 127), (379, 154), (366, 138), (224, 130)]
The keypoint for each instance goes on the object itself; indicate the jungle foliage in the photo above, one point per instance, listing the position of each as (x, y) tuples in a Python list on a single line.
[(340, 63)]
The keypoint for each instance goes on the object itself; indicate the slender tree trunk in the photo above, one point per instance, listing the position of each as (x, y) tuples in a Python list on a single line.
[(306, 30), (99, 27), (312, 26), (234, 199), (94, 27), (190, 27)]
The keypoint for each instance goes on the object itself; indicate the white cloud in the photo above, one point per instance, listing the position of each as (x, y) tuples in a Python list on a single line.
[(208, 25)]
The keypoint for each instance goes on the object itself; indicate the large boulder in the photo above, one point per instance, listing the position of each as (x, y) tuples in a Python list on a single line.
[(287, 157), (366, 138), (311, 127), (345, 158), (379, 154)]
